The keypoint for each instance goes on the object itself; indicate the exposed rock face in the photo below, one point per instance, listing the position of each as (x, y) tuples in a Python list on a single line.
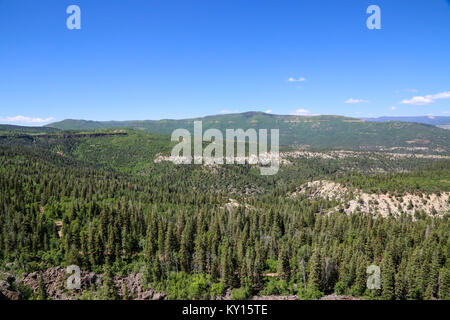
[(7, 292), (384, 204), (343, 154), (227, 296), (135, 288), (289, 297), (53, 279), (55, 285), (336, 297), (322, 189)]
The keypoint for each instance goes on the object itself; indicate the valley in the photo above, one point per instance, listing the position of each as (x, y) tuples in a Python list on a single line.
[(111, 201)]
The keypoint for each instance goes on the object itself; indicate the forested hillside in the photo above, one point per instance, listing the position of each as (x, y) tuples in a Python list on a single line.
[(6, 129), (97, 199), (322, 132), (433, 120)]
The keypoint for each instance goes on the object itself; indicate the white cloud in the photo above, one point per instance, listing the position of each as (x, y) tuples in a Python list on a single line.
[(268, 111), (300, 112), (443, 95), (424, 100), (23, 119), (418, 100), (301, 79), (355, 101), (393, 108)]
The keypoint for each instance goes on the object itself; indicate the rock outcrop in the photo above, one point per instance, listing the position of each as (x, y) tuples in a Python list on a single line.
[(354, 200), (7, 292), (55, 279)]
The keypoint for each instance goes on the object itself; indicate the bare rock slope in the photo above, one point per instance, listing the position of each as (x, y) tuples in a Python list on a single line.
[(354, 200)]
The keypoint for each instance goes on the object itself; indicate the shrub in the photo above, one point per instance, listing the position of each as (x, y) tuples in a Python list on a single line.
[(339, 288), (218, 289), (310, 294), (271, 265), (276, 287), (199, 287), (242, 293)]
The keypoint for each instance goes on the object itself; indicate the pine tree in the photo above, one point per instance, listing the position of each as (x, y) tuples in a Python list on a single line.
[(226, 265), (284, 268), (42, 292), (157, 271), (433, 277), (361, 277), (444, 284), (315, 271), (125, 291), (186, 247), (109, 287), (400, 282), (388, 276)]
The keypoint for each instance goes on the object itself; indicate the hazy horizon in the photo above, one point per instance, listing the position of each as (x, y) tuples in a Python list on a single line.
[(220, 114)]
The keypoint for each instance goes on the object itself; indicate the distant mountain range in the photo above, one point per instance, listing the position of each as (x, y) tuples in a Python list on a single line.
[(22, 129), (322, 132), (435, 121)]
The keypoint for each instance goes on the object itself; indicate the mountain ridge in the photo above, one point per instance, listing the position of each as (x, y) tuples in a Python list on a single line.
[(432, 120), (322, 132)]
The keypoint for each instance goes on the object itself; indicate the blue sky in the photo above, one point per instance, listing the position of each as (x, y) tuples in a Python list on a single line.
[(140, 59)]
